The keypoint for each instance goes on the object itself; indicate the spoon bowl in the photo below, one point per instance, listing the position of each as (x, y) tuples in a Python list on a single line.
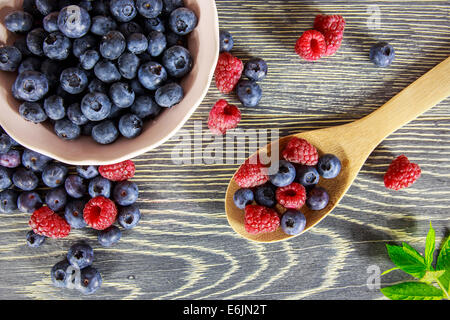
[(352, 143)]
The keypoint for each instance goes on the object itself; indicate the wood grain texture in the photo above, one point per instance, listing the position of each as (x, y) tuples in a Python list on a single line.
[(184, 247)]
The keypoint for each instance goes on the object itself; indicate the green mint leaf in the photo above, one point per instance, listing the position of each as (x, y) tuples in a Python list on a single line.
[(413, 291), (429, 247), (431, 276), (407, 259), (443, 263)]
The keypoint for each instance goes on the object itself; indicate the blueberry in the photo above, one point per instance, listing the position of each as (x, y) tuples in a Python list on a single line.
[(255, 69), (329, 166), (74, 80), (74, 21), (112, 45), (83, 44), (57, 46), (54, 107), (59, 275), (105, 132), (33, 112), (130, 125), (382, 54), (178, 61), (106, 71), (10, 58), (89, 59), (128, 65), (66, 129), (121, 94), (249, 93), (156, 43), (5, 143), (265, 195), (101, 25), (115, 113), (75, 186), (96, 85), (125, 193), (5, 178), (50, 22), (19, 21), (169, 95), (129, 28), (285, 175), (31, 86), (145, 107), (54, 175), (170, 5), (10, 159), (34, 240), (99, 186), (29, 201), (154, 24), (123, 10), (317, 198), (25, 179), (91, 280), (174, 39), (29, 64), (46, 6), (73, 213), (109, 237), (96, 106), (243, 197), (56, 199), (182, 21), (149, 8), (293, 222), (34, 160), (226, 41), (129, 216), (87, 172), (80, 255), (21, 44), (152, 75), (8, 201), (137, 87), (75, 115), (137, 43), (307, 176)]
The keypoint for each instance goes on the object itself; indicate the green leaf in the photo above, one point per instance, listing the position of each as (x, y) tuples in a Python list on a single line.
[(390, 270), (429, 247), (443, 263), (431, 276), (412, 291), (407, 259)]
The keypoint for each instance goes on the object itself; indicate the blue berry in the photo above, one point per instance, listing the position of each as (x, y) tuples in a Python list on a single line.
[(34, 160), (255, 69), (31, 86), (174, 39), (249, 93), (10, 58), (8, 201), (115, 113), (10, 159), (170, 5), (89, 59), (29, 64), (50, 22), (57, 46), (178, 61), (226, 41), (87, 172), (25, 179), (80, 255), (149, 8), (73, 213), (91, 280), (112, 45), (317, 198), (265, 195), (307, 175), (329, 166), (156, 43), (154, 24), (96, 85), (125, 193), (101, 25), (243, 197), (21, 44), (129, 28), (130, 125), (137, 87), (128, 65), (35, 40), (75, 186), (151, 75), (96, 106), (34, 240), (123, 10), (46, 6), (137, 43), (74, 21), (29, 201), (121, 94), (66, 129), (105, 132), (107, 71), (293, 222), (83, 44), (382, 54), (54, 107), (54, 175), (145, 107), (59, 274), (5, 143), (99, 186), (169, 95), (109, 237), (182, 21), (56, 199), (74, 80), (33, 112), (128, 217), (19, 21), (75, 115), (5, 178), (285, 175)]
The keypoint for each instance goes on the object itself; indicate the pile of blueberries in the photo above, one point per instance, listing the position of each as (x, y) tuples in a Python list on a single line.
[(98, 68)]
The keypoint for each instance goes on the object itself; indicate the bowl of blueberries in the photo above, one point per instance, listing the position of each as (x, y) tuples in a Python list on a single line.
[(101, 81)]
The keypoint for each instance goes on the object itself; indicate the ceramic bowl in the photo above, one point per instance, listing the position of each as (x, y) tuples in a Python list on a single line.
[(203, 44)]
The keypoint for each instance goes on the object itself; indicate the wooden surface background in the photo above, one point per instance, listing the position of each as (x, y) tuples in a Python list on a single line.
[(184, 248)]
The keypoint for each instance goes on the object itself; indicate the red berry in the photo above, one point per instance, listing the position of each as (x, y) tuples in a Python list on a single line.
[(223, 116), (333, 40), (311, 45), (259, 219), (292, 196), (118, 172), (300, 151), (100, 213), (251, 174), (47, 223), (228, 72), (401, 173), (325, 23)]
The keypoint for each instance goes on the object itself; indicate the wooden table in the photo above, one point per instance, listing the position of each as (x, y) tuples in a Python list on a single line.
[(184, 248)]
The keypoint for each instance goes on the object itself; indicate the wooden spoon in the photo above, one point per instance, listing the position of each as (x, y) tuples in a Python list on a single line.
[(353, 143)]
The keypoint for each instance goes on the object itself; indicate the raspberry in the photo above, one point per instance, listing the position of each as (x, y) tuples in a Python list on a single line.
[(223, 116), (228, 72), (300, 151), (401, 173), (118, 172), (251, 174), (311, 45), (259, 219), (47, 223), (325, 23), (333, 40), (292, 196), (100, 213)]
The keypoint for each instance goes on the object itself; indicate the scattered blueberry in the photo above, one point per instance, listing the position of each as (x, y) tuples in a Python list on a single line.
[(8, 201), (317, 198), (226, 41), (329, 166), (10, 159), (265, 195), (285, 175), (56, 199), (128, 217), (91, 280), (29, 201), (382, 54), (307, 175), (125, 193), (25, 179), (75, 186), (249, 93), (34, 240), (255, 69), (293, 222), (87, 172), (243, 197), (54, 175), (34, 160), (73, 213), (80, 255), (99, 186), (5, 178), (59, 275), (109, 237)]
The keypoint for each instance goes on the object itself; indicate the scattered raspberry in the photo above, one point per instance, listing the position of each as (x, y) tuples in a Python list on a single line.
[(259, 219), (401, 173), (223, 116), (47, 223), (100, 213), (292, 196), (325, 23), (300, 151), (251, 174), (311, 45), (228, 72), (333, 39), (118, 172)]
